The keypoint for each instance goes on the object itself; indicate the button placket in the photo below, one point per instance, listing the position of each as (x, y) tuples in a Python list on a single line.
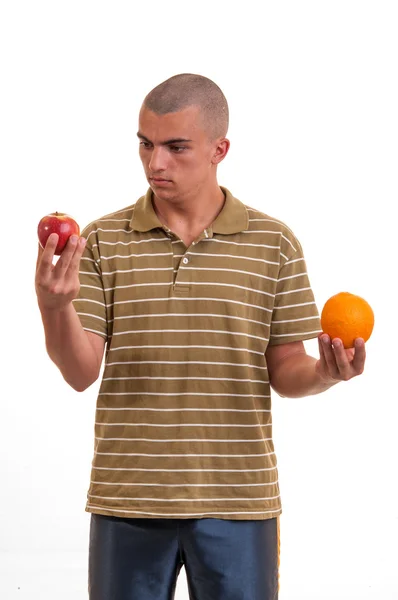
[(180, 271), (181, 285)]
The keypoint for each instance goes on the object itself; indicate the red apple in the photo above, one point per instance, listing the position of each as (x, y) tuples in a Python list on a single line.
[(59, 223)]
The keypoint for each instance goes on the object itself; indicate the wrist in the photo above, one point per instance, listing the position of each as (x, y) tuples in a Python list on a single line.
[(51, 310)]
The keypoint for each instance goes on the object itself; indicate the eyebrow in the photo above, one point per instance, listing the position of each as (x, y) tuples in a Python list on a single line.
[(166, 142)]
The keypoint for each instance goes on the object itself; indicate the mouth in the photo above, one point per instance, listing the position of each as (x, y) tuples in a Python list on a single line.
[(159, 181)]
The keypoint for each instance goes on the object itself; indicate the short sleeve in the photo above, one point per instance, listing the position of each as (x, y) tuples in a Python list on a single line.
[(90, 303), (295, 315)]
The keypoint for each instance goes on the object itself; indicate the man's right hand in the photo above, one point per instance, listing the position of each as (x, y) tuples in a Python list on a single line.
[(57, 285)]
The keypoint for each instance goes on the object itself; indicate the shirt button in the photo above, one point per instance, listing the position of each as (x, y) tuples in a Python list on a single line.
[(185, 261)]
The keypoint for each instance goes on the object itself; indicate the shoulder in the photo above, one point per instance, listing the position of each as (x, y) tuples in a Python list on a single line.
[(262, 222), (118, 220)]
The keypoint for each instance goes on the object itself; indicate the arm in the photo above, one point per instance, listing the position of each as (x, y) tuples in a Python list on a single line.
[(77, 353), (294, 374)]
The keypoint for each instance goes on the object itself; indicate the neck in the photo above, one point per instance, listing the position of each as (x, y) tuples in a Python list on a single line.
[(190, 214)]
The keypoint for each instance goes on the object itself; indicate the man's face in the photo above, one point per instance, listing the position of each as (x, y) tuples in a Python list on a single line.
[(176, 152)]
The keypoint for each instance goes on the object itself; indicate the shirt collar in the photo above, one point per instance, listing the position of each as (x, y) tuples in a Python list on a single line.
[(233, 217)]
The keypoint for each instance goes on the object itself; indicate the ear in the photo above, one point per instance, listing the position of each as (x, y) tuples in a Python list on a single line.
[(221, 150)]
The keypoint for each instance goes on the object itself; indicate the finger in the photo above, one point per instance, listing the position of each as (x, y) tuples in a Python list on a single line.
[(39, 255), (44, 263), (75, 261), (321, 351), (324, 369), (358, 362), (341, 359), (329, 356), (66, 256)]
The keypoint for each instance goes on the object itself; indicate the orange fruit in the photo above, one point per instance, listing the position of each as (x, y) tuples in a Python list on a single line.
[(347, 316)]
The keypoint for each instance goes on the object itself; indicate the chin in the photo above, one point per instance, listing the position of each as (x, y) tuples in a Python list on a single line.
[(162, 193)]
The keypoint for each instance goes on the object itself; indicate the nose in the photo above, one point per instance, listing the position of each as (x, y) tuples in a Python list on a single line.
[(157, 162)]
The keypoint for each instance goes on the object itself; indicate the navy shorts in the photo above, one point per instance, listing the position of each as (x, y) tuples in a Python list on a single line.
[(140, 559)]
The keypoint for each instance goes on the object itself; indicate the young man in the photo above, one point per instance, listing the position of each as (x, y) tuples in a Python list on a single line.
[(203, 304)]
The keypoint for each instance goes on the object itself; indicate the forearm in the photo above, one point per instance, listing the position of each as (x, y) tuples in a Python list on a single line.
[(296, 377), (69, 347)]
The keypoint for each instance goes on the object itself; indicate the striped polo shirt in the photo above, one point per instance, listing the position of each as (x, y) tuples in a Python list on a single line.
[(183, 425)]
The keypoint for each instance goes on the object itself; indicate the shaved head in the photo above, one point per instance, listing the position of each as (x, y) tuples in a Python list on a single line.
[(180, 91)]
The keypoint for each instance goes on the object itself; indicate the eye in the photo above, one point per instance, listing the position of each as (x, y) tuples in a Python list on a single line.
[(177, 149), (145, 144)]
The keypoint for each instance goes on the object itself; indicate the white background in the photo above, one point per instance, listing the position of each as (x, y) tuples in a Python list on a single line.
[(312, 89)]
